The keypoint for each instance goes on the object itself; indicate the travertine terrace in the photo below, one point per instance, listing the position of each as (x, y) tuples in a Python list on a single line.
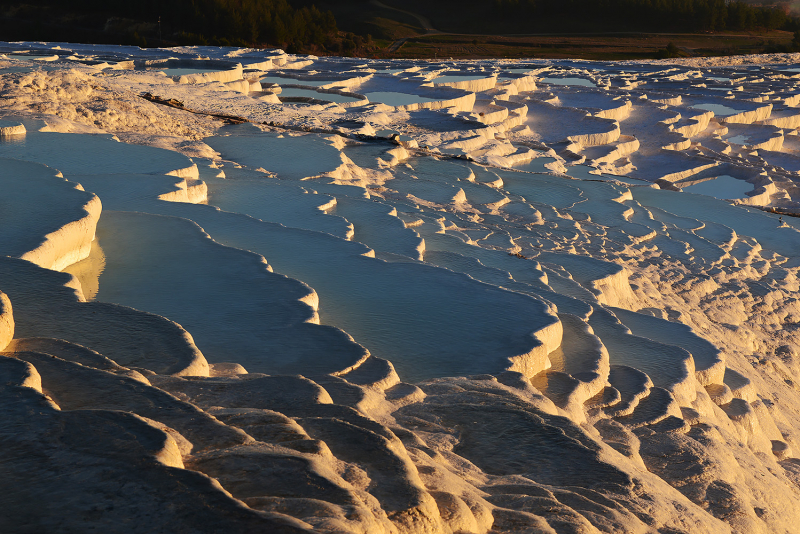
[(246, 291)]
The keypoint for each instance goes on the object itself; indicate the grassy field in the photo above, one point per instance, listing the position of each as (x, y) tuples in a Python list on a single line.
[(598, 47)]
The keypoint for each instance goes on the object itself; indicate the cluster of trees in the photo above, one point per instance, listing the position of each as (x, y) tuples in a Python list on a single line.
[(533, 16), (250, 21), (218, 22)]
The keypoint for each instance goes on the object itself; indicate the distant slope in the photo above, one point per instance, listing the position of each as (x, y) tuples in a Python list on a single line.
[(365, 17)]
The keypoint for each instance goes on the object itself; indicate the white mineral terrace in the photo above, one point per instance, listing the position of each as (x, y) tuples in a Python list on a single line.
[(344, 295)]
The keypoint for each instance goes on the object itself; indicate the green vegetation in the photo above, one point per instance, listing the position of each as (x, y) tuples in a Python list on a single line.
[(794, 46), (671, 51)]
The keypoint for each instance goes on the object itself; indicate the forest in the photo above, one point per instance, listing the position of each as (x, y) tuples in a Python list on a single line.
[(168, 22), (314, 26)]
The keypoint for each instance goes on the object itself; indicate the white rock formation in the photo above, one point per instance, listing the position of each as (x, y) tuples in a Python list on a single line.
[(544, 348)]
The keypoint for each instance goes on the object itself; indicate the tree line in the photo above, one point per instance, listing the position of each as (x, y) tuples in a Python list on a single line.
[(164, 22)]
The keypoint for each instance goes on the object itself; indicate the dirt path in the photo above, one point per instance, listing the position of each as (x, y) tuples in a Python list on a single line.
[(423, 22), (395, 46)]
